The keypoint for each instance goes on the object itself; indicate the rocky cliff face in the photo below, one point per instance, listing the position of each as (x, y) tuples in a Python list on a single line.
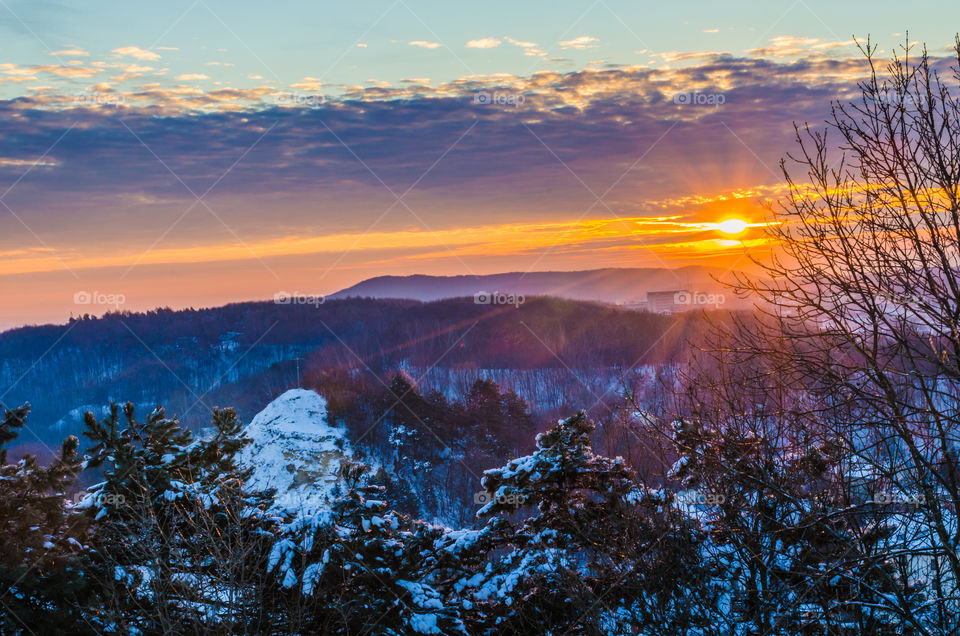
[(295, 450)]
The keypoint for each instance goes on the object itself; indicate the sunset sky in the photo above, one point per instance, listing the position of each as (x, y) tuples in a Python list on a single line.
[(197, 152)]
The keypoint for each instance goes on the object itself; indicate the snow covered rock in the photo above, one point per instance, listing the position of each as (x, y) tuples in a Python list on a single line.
[(296, 451)]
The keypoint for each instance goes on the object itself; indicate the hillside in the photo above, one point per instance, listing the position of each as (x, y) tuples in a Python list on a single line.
[(613, 285)]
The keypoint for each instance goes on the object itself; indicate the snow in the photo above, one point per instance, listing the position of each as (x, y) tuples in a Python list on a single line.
[(678, 466), (296, 451), (424, 624), (458, 541), (423, 597), (312, 573), (283, 549)]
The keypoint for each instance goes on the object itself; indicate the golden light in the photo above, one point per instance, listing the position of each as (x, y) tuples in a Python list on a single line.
[(732, 226)]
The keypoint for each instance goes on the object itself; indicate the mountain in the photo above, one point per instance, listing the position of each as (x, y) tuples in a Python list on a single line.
[(615, 285), (295, 450)]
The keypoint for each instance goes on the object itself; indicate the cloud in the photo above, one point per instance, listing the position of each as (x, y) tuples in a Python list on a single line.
[(74, 52), (525, 45), (789, 46), (580, 43), (425, 45), (136, 68), (711, 30), (619, 110), (12, 77), (72, 72), (361, 45), (26, 163), (130, 72), (308, 84), (671, 57), (186, 77), (136, 52), (483, 43), (718, 71), (530, 49)]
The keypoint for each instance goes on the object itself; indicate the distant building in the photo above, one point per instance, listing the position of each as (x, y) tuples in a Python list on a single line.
[(635, 305), (665, 302), (677, 300)]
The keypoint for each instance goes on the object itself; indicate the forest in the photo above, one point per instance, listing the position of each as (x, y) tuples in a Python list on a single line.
[(243, 355)]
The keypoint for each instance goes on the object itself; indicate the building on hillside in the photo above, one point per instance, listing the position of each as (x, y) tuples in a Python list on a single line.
[(665, 302), (676, 300)]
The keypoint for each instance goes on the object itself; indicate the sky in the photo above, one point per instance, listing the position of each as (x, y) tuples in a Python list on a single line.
[(201, 152)]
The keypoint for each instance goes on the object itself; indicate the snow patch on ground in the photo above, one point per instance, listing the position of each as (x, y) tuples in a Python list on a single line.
[(295, 451)]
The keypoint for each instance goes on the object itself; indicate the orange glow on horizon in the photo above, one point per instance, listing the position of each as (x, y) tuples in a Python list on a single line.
[(520, 239)]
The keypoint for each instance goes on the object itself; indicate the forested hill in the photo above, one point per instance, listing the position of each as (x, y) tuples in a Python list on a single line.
[(612, 285), (245, 354)]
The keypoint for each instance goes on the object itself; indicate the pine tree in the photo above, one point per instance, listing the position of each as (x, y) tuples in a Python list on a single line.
[(595, 553), (361, 568), (803, 558), (496, 421), (177, 538), (43, 580), (410, 419)]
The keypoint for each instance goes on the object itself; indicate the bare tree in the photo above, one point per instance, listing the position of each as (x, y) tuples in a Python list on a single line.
[(858, 310)]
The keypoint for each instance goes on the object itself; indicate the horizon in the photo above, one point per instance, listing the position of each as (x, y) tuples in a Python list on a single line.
[(108, 305), (175, 169)]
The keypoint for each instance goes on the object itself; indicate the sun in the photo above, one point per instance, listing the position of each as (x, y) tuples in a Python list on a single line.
[(732, 226)]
